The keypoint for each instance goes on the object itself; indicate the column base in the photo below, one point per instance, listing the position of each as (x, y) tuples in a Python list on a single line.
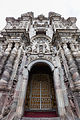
[(3, 85), (77, 85)]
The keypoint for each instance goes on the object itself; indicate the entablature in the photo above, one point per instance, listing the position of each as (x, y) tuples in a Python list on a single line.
[(65, 35)]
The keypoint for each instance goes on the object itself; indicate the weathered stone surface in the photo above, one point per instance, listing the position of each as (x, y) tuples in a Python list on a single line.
[(51, 40)]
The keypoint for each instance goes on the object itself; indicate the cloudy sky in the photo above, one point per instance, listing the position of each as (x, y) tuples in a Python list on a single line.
[(14, 8)]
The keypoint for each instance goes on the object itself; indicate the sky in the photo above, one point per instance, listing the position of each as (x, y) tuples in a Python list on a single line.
[(14, 8)]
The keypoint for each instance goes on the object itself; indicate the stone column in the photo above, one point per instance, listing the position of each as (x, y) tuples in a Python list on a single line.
[(73, 67), (61, 77), (20, 106), (59, 93), (19, 83), (9, 65), (15, 67), (76, 53), (66, 68), (5, 56)]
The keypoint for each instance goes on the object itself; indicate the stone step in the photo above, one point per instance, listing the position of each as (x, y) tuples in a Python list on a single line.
[(77, 119), (28, 118)]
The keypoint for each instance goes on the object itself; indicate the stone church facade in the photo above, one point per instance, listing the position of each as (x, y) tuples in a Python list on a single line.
[(40, 68)]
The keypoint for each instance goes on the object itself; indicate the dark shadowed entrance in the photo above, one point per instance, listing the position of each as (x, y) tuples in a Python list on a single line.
[(40, 95)]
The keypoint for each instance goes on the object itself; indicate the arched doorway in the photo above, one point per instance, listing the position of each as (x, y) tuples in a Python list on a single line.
[(40, 95)]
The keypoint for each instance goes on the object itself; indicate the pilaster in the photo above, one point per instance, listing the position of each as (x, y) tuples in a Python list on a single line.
[(59, 94)]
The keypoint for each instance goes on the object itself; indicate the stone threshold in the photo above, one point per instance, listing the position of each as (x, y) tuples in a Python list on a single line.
[(28, 118)]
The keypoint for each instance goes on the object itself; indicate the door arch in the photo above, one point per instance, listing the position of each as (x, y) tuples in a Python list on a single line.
[(40, 95), (56, 77), (30, 65)]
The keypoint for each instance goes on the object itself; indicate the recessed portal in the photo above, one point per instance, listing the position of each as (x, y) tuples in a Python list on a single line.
[(40, 95)]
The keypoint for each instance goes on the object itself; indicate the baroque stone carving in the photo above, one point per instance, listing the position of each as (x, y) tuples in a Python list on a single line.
[(27, 39)]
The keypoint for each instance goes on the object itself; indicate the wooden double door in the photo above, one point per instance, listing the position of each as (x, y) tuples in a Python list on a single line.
[(40, 93)]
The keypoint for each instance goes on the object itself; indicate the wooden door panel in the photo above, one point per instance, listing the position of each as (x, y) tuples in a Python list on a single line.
[(40, 94)]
